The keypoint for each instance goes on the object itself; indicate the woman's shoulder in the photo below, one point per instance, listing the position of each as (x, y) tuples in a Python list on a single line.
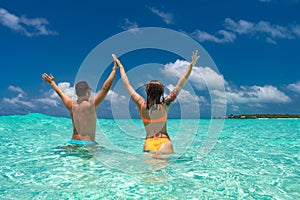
[(143, 104)]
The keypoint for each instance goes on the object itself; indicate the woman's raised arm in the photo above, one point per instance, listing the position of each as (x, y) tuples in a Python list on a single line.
[(187, 72), (181, 82), (138, 99)]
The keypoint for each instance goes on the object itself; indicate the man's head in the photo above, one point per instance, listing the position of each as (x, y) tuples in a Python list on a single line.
[(82, 88)]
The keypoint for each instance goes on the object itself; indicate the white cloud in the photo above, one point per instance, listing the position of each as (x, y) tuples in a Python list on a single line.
[(296, 30), (48, 101), (70, 91), (184, 100), (27, 26), (66, 88), (207, 77), (222, 36), (186, 96), (116, 104), (53, 99), (201, 77), (257, 94), (242, 27), (271, 41), (9, 20), (235, 108), (167, 17), (18, 101), (114, 97), (295, 87), (16, 89), (239, 98), (49, 98), (128, 25), (263, 29)]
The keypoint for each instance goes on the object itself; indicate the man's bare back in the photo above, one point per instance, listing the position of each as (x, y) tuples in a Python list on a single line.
[(84, 121), (83, 111)]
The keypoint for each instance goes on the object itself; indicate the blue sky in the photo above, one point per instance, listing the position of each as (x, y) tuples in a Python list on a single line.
[(254, 43)]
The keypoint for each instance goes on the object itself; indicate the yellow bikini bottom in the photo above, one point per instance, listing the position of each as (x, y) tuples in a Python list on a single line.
[(153, 144)]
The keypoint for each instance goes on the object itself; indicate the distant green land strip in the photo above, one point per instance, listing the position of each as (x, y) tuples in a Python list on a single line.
[(256, 116)]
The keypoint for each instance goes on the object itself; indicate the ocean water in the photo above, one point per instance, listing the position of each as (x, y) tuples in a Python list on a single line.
[(248, 159)]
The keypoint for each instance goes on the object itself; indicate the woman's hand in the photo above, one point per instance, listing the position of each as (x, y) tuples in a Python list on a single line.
[(116, 61), (195, 57), (116, 66), (48, 78)]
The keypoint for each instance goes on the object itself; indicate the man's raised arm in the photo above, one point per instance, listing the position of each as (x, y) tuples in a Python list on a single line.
[(100, 96), (65, 98)]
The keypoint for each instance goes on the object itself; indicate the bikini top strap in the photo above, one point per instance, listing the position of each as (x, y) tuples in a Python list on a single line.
[(161, 119)]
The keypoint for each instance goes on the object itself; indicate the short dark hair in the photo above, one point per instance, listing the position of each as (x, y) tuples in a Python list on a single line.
[(81, 88)]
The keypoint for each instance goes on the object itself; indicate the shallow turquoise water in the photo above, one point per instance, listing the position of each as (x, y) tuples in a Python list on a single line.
[(251, 159)]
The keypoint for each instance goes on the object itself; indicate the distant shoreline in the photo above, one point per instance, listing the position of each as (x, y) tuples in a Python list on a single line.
[(261, 116)]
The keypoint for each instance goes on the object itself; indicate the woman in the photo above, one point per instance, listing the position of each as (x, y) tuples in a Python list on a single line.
[(154, 110)]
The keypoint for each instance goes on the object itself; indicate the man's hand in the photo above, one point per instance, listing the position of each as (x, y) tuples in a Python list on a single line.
[(116, 61), (48, 78), (116, 66)]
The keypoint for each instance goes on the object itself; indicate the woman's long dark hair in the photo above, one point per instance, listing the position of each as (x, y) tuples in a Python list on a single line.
[(155, 93)]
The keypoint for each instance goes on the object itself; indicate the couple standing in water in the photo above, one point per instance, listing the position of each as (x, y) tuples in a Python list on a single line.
[(153, 110)]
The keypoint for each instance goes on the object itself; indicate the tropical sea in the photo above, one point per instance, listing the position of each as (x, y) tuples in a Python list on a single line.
[(246, 159)]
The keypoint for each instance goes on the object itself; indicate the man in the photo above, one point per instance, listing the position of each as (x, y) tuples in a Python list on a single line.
[(83, 110)]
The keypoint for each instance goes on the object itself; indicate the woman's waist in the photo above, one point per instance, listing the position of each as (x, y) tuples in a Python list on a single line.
[(158, 135)]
